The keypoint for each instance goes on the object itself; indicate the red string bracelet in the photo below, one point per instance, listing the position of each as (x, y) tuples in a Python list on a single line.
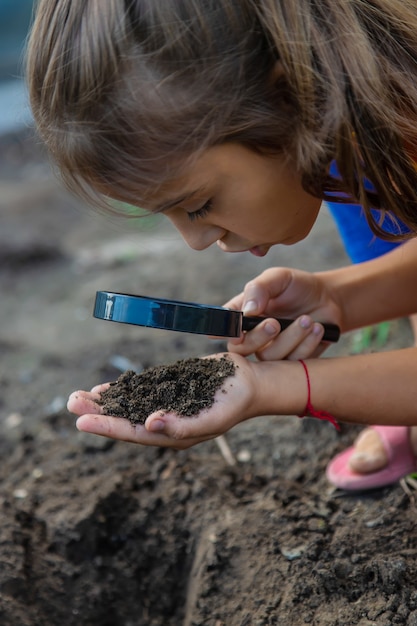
[(310, 411)]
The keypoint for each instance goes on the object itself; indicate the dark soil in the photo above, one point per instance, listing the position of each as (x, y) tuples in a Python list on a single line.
[(102, 533), (185, 387)]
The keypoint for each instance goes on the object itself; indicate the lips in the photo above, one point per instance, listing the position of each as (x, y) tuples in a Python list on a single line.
[(256, 250), (259, 250)]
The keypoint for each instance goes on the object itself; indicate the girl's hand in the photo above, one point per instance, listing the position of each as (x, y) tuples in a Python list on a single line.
[(239, 399), (284, 292)]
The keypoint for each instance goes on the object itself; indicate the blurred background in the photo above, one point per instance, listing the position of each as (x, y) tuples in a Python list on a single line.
[(15, 17)]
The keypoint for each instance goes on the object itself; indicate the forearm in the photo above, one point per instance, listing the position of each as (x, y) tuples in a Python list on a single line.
[(365, 389), (371, 292)]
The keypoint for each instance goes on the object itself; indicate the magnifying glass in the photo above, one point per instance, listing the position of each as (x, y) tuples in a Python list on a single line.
[(185, 317)]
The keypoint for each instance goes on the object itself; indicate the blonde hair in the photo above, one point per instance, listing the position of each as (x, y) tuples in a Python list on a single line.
[(125, 92)]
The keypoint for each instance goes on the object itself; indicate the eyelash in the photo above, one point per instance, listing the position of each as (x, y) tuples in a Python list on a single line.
[(202, 212)]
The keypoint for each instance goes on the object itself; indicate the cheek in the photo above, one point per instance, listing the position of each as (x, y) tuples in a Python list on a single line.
[(292, 221), (305, 218)]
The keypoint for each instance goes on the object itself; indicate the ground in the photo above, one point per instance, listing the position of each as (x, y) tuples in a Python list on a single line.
[(99, 533)]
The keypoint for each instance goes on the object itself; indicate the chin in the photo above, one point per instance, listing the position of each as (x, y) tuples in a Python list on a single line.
[(300, 237)]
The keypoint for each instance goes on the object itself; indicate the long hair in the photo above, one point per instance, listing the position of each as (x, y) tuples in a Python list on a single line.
[(125, 92)]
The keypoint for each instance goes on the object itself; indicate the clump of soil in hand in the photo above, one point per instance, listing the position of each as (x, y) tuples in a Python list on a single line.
[(185, 387)]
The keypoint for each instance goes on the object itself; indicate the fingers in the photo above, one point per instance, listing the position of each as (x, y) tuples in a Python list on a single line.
[(197, 428), (258, 298), (259, 292), (118, 428), (122, 430), (300, 340), (81, 402), (98, 389), (252, 300), (161, 429), (256, 339), (235, 303), (234, 402)]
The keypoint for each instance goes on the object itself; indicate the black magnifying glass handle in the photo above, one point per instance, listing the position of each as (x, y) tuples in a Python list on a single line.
[(331, 331)]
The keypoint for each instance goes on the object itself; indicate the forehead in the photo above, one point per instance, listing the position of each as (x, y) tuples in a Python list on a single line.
[(204, 173), (201, 173), (149, 187)]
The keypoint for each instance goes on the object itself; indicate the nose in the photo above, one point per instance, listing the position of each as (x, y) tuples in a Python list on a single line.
[(198, 236), (200, 241)]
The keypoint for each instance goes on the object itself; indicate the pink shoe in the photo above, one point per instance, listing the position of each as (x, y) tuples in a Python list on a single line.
[(401, 462)]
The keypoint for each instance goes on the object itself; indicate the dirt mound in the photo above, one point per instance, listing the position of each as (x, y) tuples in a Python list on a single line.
[(99, 533)]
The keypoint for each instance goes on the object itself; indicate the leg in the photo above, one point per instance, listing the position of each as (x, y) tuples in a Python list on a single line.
[(400, 461)]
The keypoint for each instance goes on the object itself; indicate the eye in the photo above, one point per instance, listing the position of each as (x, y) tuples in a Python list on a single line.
[(201, 212)]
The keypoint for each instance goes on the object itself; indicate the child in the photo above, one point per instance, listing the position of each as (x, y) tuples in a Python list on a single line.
[(226, 115)]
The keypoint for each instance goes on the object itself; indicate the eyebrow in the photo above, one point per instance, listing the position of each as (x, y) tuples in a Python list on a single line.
[(168, 205)]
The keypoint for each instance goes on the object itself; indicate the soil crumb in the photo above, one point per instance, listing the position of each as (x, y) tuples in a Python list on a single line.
[(186, 387)]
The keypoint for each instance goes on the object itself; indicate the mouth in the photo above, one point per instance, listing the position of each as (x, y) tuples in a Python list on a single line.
[(259, 250)]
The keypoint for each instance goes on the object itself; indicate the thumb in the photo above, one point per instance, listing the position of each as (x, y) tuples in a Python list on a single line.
[(255, 298)]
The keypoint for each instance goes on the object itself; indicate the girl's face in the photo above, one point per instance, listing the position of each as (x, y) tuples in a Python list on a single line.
[(239, 199)]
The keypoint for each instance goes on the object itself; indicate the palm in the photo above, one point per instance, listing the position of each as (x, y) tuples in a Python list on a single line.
[(234, 402)]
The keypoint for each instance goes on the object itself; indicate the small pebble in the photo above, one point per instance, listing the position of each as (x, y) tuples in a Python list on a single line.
[(20, 494), (55, 406), (122, 363), (292, 554), (244, 456), (13, 420)]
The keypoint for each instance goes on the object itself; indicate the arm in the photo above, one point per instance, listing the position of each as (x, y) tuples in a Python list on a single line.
[(372, 292), (377, 388), (366, 389), (352, 297)]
